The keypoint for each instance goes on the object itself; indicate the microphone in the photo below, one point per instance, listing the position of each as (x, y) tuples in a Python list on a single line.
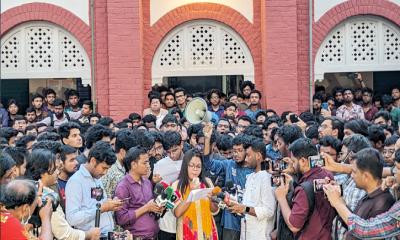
[(97, 219)]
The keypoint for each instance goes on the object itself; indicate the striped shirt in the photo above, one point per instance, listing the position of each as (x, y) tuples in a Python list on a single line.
[(385, 225)]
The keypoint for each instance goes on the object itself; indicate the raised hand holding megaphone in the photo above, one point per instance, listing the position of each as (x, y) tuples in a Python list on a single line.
[(196, 111)]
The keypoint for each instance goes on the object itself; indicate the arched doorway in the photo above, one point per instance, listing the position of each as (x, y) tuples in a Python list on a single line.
[(366, 44), (39, 54), (200, 55)]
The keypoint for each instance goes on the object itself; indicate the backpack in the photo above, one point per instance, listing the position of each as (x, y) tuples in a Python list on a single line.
[(52, 118), (283, 230)]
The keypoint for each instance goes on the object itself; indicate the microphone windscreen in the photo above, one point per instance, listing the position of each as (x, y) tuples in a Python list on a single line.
[(216, 190)]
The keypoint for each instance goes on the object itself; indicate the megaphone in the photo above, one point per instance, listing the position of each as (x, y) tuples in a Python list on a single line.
[(196, 111)]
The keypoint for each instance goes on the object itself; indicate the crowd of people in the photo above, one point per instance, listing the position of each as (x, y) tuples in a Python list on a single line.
[(248, 173)]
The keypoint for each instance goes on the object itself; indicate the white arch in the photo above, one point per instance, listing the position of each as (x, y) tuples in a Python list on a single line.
[(359, 44), (202, 48), (40, 49)]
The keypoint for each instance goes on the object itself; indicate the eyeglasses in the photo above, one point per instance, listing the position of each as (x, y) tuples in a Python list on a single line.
[(194, 166)]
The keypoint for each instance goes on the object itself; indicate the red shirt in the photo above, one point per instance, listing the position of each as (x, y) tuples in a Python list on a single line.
[(11, 228), (320, 223)]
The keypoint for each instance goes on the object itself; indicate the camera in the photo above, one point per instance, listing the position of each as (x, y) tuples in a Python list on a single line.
[(352, 75), (55, 199), (316, 161), (294, 118), (117, 236), (319, 185)]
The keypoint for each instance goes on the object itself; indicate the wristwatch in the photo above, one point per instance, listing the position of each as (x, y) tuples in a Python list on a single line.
[(247, 210)]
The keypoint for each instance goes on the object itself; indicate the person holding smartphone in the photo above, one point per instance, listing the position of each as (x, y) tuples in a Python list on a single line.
[(135, 190)]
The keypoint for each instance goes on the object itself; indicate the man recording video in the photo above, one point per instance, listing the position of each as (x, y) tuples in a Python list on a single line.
[(84, 190)]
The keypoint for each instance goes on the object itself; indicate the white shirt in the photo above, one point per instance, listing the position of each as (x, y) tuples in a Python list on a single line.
[(259, 195), (168, 222)]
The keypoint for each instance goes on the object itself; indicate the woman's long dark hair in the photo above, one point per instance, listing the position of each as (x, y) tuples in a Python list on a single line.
[(183, 179), (39, 162)]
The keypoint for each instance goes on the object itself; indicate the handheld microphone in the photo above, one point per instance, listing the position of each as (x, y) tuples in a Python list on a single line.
[(97, 219)]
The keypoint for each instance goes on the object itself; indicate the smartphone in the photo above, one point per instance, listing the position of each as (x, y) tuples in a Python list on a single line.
[(316, 161), (277, 179), (324, 105), (319, 184)]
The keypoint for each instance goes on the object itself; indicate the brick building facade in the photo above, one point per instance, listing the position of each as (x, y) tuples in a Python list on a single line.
[(128, 34)]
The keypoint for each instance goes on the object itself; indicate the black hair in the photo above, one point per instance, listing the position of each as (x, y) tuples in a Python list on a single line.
[(153, 93), (135, 116), (337, 124), (257, 92), (289, 133), (170, 94), (271, 120), (303, 148), (18, 193), (37, 95), (397, 156), (245, 84), (71, 92), (65, 129), (319, 88), (8, 133), (213, 91), (158, 137), (30, 127), (367, 90), (254, 130), (384, 114), (229, 104), (224, 119), (145, 139), (49, 91), (105, 121), (284, 115), (175, 110), (127, 120), (40, 161), (66, 150), (241, 139), (162, 88), (194, 129), (132, 155), (307, 117), (370, 160), (318, 96), (386, 100), (224, 142), (102, 152), (24, 140), (312, 131), (6, 163), (89, 103), (96, 133), (125, 139), (330, 141), (169, 118), (269, 110), (337, 90), (356, 143), (48, 136), (19, 154), (261, 113), (92, 115), (19, 118), (258, 145), (52, 146), (376, 133), (121, 125), (171, 139), (183, 178), (149, 118), (359, 126), (30, 109), (155, 97), (391, 140), (179, 90), (59, 102), (348, 89), (245, 118)]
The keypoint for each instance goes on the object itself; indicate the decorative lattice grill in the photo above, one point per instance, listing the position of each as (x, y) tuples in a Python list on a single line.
[(173, 51), (40, 47), (232, 51), (363, 40), (391, 43), (202, 45), (333, 49), (10, 52), (71, 55)]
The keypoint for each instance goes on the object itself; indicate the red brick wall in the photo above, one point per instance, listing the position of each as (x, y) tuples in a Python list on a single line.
[(125, 73)]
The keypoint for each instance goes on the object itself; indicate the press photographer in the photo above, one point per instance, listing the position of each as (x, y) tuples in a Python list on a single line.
[(19, 199)]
